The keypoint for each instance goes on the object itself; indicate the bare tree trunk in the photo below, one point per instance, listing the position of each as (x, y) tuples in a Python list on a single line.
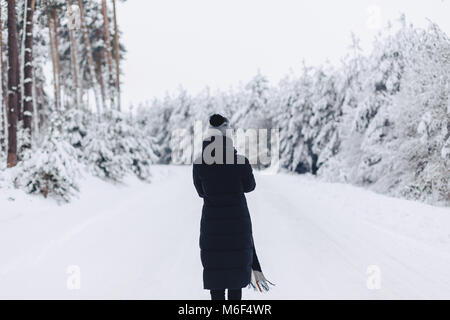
[(3, 120), (2, 67), (74, 53), (87, 44), (28, 70), (57, 59), (108, 52), (100, 75), (117, 56), (52, 54), (42, 106), (36, 115), (99, 57), (22, 60), (19, 90), (13, 84)]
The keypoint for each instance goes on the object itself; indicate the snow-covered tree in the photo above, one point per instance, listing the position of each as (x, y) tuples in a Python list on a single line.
[(380, 120), (392, 140), (103, 148), (52, 168)]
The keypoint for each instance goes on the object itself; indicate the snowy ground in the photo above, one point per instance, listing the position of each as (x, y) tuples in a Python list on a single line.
[(136, 240)]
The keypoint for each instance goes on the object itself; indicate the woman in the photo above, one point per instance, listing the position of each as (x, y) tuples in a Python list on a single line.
[(221, 177)]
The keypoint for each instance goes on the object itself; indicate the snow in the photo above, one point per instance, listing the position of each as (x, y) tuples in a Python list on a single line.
[(140, 240)]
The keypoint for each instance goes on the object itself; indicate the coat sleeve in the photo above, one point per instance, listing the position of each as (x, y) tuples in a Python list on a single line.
[(197, 181), (248, 178)]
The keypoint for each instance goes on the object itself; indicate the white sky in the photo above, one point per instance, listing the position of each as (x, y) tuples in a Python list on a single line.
[(220, 43)]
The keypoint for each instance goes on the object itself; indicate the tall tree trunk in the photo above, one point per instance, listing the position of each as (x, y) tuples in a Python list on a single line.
[(56, 47), (87, 44), (28, 70), (13, 84), (41, 106), (2, 66), (36, 115), (117, 56), (74, 53), (22, 60), (99, 57), (108, 52), (90, 58), (3, 120), (99, 61), (52, 54)]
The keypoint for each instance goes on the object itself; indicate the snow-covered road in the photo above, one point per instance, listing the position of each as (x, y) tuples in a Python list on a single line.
[(137, 240)]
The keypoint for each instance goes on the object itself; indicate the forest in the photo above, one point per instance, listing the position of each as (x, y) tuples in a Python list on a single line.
[(379, 120), (47, 129)]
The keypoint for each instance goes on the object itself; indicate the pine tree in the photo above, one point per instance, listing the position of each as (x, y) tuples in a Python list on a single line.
[(53, 168), (104, 148)]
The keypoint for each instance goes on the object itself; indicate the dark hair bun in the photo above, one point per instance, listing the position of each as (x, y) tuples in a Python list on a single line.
[(216, 120)]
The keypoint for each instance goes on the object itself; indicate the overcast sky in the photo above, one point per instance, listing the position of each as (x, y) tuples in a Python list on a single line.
[(219, 43)]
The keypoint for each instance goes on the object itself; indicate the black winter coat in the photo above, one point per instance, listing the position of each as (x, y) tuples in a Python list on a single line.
[(226, 241)]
